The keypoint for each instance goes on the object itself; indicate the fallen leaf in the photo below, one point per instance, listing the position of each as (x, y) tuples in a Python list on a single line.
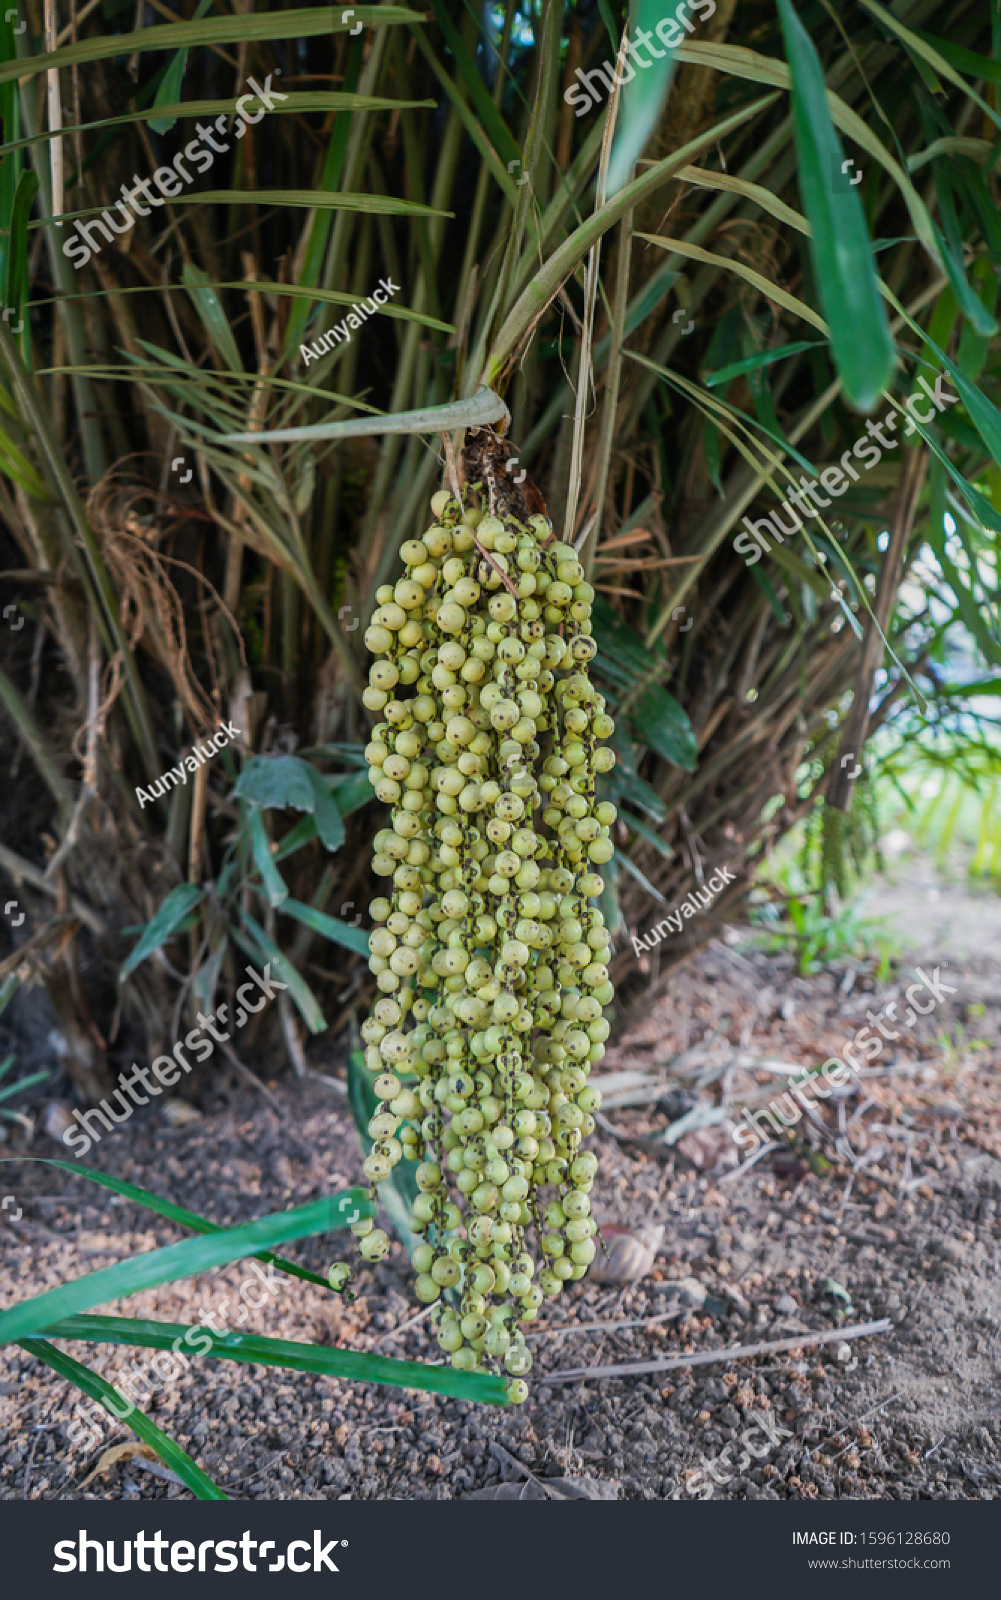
[(118, 1452), (709, 1148)]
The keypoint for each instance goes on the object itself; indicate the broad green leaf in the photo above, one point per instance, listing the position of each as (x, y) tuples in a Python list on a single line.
[(331, 1360), (276, 782), (92, 1384), (183, 1260), (237, 30), (172, 81), (165, 1208), (174, 908), (655, 717), (660, 723), (624, 783), (340, 932), (213, 317), (619, 646), (326, 810), (840, 248), (351, 793)]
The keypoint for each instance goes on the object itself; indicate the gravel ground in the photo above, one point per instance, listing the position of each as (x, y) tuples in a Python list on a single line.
[(797, 1243)]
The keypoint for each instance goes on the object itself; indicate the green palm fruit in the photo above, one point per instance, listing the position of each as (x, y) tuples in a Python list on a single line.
[(488, 950)]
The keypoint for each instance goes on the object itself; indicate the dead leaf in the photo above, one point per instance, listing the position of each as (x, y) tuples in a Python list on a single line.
[(709, 1148), (118, 1452)]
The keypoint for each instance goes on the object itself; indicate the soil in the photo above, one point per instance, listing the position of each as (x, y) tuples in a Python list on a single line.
[(898, 1219)]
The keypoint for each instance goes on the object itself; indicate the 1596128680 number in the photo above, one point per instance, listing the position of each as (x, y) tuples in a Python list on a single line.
[(905, 1538)]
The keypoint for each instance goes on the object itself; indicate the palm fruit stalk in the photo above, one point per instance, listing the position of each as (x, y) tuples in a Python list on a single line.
[(489, 949)]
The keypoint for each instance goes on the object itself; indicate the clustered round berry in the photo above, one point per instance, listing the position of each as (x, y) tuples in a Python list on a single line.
[(489, 950)]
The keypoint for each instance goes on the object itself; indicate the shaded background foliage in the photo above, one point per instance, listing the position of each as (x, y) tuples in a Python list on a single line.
[(726, 339)]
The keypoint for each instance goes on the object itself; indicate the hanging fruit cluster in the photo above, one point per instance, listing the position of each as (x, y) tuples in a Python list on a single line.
[(489, 950)]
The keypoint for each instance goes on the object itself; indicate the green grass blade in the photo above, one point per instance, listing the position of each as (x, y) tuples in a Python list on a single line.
[(493, 123), (274, 883), (298, 988), (182, 1260), (966, 60), (764, 358), (841, 249), (22, 1083), (295, 105), (236, 30), (175, 907), (165, 1208), (920, 47), (214, 318), (329, 1360), (547, 279), (17, 252), (328, 927), (172, 81), (642, 100), (384, 205), (92, 1384), (484, 409)]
